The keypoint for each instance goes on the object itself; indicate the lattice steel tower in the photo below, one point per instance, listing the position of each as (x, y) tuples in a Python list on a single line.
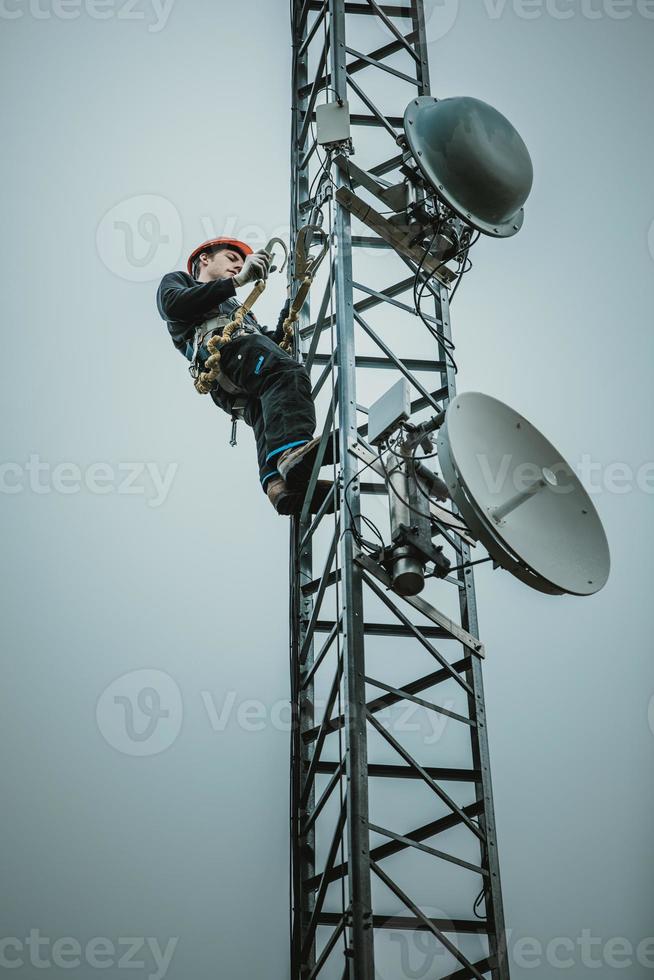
[(394, 858)]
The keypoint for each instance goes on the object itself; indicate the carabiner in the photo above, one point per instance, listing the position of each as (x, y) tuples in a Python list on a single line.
[(270, 247), (306, 264)]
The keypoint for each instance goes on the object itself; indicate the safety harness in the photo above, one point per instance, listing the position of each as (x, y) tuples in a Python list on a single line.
[(219, 330), (216, 333)]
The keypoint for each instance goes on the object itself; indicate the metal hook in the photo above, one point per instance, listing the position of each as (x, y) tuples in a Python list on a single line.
[(269, 248), (305, 264)]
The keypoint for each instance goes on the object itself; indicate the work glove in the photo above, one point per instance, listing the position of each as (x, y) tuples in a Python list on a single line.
[(256, 266)]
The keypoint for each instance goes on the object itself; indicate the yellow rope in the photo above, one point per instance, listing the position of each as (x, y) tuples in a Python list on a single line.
[(306, 268), (205, 381), (286, 343)]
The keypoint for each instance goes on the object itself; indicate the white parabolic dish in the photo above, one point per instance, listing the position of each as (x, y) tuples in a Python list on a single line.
[(521, 498)]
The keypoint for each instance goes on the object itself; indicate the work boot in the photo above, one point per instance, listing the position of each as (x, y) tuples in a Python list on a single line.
[(279, 495), (324, 489), (295, 465), (288, 504)]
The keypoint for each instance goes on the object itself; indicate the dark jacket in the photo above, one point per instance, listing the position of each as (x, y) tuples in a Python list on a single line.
[(185, 304)]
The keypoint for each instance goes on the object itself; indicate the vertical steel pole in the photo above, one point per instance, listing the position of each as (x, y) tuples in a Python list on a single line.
[(360, 925), (301, 566)]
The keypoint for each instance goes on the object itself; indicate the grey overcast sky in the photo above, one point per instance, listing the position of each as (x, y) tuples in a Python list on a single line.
[(131, 133)]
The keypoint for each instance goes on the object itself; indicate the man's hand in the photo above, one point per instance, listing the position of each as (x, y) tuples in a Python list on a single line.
[(256, 267)]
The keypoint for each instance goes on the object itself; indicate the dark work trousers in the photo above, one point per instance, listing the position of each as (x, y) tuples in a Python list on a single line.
[(279, 406)]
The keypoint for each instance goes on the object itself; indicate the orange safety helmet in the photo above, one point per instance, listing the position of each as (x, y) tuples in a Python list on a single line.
[(234, 242)]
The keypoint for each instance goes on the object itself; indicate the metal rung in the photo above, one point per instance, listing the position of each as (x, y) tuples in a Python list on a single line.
[(411, 922), (385, 629), (383, 363), (407, 772)]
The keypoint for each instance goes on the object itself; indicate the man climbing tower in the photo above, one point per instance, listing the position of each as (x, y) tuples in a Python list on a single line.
[(272, 390)]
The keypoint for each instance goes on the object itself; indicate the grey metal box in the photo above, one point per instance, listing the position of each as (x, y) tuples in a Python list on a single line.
[(388, 411), (333, 122)]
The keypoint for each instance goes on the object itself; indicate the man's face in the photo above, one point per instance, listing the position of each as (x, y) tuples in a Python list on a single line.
[(223, 264)]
